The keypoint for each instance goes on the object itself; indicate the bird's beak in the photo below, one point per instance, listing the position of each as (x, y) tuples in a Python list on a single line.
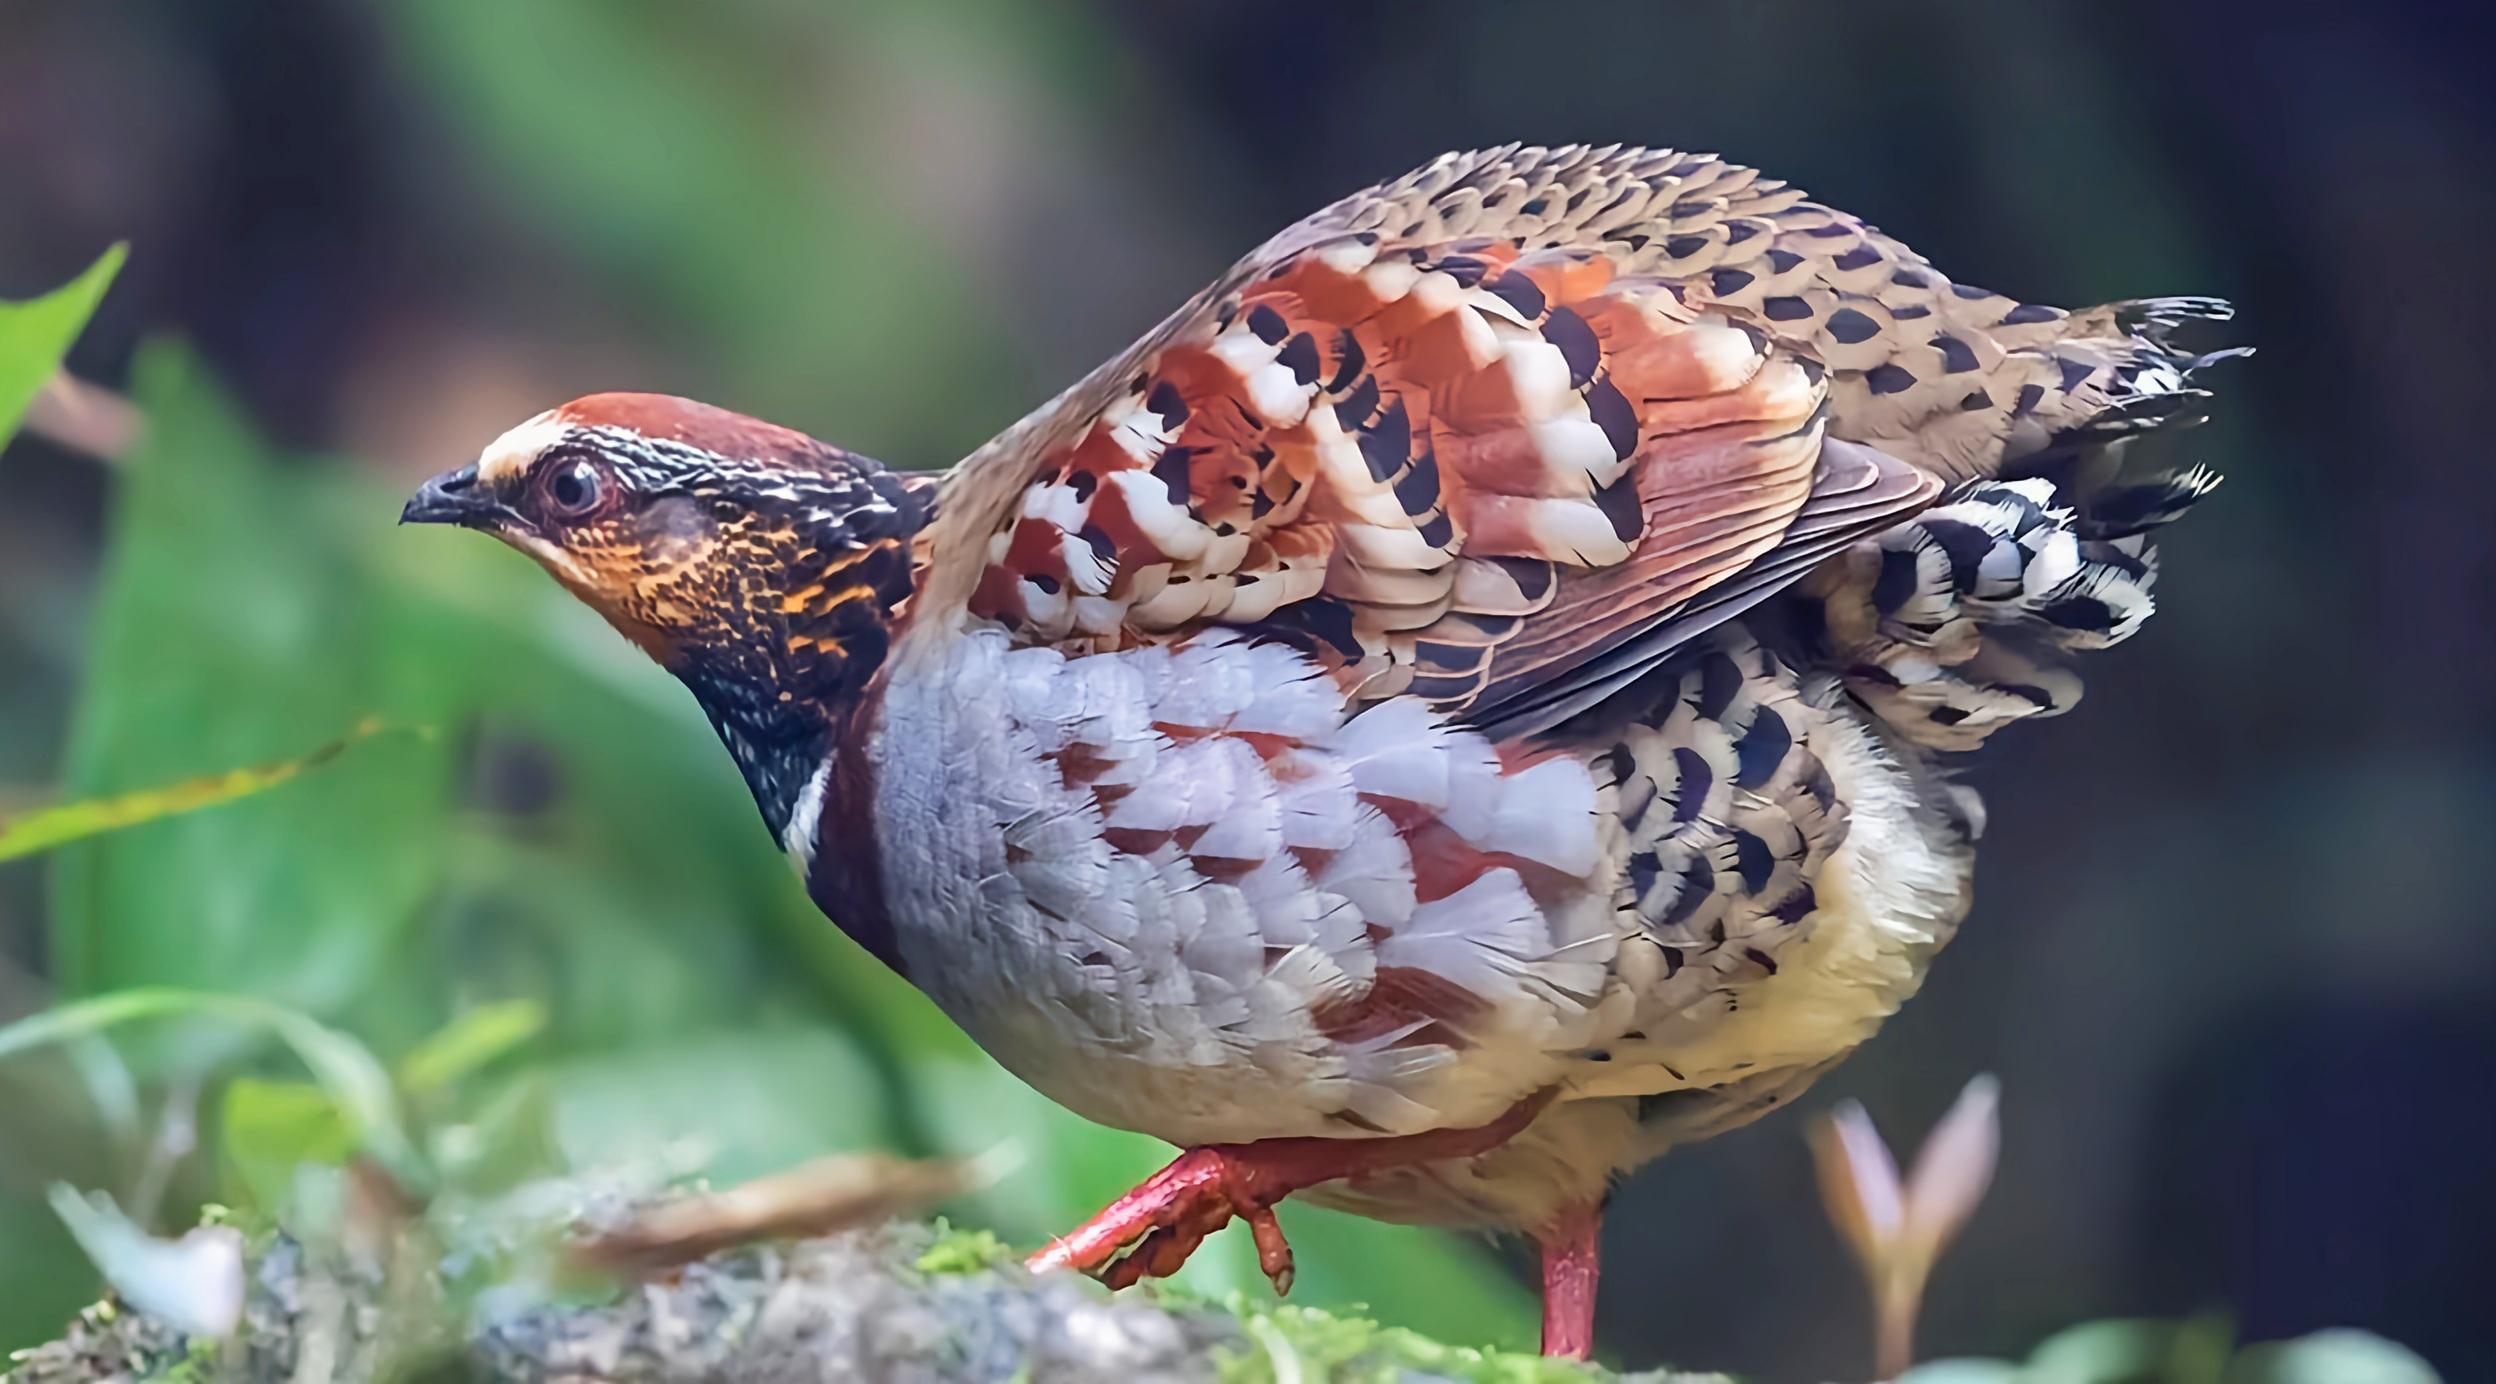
[(456, 497)]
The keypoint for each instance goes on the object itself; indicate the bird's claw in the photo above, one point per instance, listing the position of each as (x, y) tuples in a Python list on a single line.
[(1151, 1231)]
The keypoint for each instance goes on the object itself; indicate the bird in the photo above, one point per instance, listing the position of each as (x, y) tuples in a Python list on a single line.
[(1467, 703)]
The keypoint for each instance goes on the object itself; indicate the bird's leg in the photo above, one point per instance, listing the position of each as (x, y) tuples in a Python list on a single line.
[(1161, 1223), (1571, 1263)]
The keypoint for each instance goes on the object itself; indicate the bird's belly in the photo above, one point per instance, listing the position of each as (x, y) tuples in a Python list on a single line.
[(1184, 891)]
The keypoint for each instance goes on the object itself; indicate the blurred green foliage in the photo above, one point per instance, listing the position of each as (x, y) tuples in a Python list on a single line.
[(2202, 1350), (720, 222), (1302, 1343)]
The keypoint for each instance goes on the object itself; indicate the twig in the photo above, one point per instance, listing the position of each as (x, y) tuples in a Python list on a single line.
[(86, 418), (815, 1198)]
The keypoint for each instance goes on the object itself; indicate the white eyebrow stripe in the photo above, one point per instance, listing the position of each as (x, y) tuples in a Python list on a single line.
[(511, 453)]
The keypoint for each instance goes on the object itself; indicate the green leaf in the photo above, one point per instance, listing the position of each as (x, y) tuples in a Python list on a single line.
[(729, 1105), (1964, 1371), (2192, 1351), (45, 828), (2105, 1352), (268, 1129), (469, 1044), (35, 335), (2331, 1357), (352, 1080)]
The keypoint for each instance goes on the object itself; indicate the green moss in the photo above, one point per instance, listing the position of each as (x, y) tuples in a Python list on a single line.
[(197, 1365), (963, 1252), (1287, 1343)]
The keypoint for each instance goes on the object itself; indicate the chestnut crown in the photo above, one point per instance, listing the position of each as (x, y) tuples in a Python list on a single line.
[(765, 569)]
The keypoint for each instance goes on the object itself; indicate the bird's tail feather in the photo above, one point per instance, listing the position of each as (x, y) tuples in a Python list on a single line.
[(2106, 468)]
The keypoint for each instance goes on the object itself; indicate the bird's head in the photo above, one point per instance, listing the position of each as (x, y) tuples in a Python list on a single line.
[(765, 569)]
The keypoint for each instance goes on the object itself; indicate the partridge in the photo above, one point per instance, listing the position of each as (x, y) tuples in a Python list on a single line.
[(1462, 706)]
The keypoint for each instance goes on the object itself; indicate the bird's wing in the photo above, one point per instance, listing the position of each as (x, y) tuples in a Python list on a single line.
[(1504, 432)]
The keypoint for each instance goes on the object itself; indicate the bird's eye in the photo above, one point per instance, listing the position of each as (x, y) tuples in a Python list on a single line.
[(574, 488)]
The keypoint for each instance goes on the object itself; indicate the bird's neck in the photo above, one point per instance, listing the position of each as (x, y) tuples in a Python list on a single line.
[(803, 760), (778, 743), (784, 673)]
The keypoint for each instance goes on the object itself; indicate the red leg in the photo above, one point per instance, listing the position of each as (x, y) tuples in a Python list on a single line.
[(1572, 1261), (1163, 1221)]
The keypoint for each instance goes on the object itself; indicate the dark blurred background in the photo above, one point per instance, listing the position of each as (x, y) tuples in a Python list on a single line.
[(2231, 954)]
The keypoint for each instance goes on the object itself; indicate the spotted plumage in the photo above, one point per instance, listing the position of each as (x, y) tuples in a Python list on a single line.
[(1458, 708)]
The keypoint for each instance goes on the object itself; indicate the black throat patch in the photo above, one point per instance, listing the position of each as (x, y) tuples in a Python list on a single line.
[(805, 627)]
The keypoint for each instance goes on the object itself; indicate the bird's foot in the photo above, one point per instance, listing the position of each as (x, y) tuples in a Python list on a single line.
[(1150, 1232)]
